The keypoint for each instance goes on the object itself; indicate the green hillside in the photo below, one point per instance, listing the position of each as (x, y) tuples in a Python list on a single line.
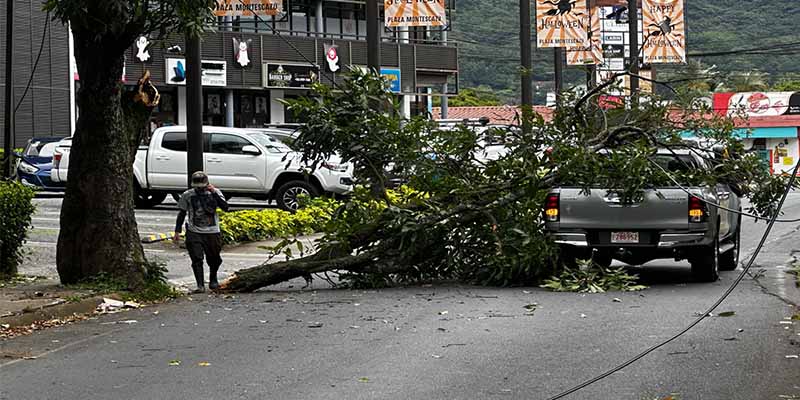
[(489, 35)]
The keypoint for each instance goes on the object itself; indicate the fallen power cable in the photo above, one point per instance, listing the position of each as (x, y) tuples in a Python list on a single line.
[(716, 304)]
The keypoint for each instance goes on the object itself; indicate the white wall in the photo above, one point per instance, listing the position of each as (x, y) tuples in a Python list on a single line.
[(182, 105), (792, 152)]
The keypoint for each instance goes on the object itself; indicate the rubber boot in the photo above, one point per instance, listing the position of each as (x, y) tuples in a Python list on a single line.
[(213, 284), (198, 276)]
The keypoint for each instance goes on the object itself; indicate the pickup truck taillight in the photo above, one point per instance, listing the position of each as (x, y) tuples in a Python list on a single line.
[(551, 204), (697, 210), (57, 157)]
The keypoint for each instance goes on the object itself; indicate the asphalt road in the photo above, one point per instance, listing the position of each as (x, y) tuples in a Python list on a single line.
[(451, 342)]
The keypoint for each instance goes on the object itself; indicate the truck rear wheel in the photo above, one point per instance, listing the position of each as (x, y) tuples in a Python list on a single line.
[(705, 263), (287, 195)]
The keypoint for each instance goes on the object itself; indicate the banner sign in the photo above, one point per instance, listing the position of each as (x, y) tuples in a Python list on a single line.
[(392, 76), (665, 32), (290, 76), (414, 13), (591, 54), (758, 104), (233, 8), (615, 38), (561, 23), (213, 72)]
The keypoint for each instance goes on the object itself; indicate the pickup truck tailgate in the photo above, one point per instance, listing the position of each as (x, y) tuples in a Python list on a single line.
[(660, 209)]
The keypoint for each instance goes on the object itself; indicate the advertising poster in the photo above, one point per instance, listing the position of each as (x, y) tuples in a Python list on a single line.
[(414, 13), (593, 53), (234, 8), (290, 76), (758, 104), (664, 32), (561, 24)]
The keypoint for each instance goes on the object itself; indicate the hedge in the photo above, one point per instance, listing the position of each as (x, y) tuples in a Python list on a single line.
[(255, 225), (16, 209)]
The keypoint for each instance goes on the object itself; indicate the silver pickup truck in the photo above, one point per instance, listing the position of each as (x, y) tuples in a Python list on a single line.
[(666, 223)]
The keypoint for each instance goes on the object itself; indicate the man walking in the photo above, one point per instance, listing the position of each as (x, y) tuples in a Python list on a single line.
[(203, 236)]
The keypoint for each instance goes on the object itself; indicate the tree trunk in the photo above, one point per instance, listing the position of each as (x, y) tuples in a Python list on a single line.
[(99, 235)]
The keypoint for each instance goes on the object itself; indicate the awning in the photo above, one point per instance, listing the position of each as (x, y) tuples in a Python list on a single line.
[(757, 133)]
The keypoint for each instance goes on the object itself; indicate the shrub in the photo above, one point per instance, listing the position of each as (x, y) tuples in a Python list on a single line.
[(16, 209)]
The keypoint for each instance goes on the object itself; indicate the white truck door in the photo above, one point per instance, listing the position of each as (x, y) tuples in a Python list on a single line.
[(230, 168), (166, 161)]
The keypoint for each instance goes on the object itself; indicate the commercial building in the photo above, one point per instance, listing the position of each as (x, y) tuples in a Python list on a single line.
[(43, 106), (251, 64), (771, 126)]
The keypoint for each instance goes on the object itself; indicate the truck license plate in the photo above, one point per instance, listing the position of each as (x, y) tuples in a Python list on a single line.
[(624, 237)]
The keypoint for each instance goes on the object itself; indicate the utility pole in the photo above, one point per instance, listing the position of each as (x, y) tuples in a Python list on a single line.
[(373, 37), (194, 107), (8, 135), (525, 52), (633, 32), (558, 60)]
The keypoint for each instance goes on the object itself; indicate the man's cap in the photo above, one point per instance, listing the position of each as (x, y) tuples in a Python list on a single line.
[(199, 179)]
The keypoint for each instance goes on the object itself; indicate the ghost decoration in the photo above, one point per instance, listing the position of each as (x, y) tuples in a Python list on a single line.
[(141, 44), (332, 57), (240, 51)]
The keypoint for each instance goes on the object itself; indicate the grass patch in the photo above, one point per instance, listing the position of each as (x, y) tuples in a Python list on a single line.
[(156, 288), (19, 279)]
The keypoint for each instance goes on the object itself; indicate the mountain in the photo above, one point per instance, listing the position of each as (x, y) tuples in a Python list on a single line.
[(489, 36)]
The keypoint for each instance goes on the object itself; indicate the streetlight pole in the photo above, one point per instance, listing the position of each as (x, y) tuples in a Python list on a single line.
[(525, 51), (194, 107), (373, 37)]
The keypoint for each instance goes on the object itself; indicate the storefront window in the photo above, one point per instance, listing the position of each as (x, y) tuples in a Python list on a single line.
[(214, 110)]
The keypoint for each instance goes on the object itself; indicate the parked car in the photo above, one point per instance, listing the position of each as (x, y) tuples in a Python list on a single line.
[(35, 162), (61, 161), (666, 223), (240, 162)]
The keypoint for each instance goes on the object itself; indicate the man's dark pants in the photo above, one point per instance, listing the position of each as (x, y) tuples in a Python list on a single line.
[(209, 244)]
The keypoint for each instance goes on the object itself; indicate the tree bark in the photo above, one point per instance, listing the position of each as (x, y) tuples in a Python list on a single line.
[(99, 234)]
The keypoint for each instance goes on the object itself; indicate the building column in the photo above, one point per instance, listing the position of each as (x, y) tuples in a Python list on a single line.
[(318, 19), (276, 112), (444, 100), (182, 105), (405, 105), (229, 108)]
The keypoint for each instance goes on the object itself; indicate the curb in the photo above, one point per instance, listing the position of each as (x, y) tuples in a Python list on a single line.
[(49, 312), (158, 237)]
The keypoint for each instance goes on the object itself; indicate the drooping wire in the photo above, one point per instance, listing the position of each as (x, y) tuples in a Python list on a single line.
[(716, 304), (35, 64)]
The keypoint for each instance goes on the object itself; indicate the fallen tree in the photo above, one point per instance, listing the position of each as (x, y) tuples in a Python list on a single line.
[(476, 218)]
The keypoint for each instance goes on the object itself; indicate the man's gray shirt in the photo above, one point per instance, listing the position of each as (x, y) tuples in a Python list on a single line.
[(201, 211)]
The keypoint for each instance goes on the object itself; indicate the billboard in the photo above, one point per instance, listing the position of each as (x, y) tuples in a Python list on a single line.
[(758, 104), (414, 13), (213, 72), (665, 32), (233, 8), (561, 24), (591, 54)]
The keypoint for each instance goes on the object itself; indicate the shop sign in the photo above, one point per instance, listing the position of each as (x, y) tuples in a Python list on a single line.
[(214, 73), (290, 76), (665, 33), (232, 8), (758, 104), (561, 24), (414, 13)]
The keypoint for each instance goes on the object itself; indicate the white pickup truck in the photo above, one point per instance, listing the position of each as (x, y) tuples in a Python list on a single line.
[(240, 162)]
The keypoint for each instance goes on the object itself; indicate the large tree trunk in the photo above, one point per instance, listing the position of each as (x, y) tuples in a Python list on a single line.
[(98, 233)]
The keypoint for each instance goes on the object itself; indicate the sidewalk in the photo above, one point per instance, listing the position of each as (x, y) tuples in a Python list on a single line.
[(37, 303)]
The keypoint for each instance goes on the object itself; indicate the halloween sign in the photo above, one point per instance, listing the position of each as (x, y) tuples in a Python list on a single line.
[(561, 23), (593, 53), (414, 13), (664, 31)]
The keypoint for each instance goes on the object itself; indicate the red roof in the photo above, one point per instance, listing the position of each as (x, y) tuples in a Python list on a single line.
[(500, 115)]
